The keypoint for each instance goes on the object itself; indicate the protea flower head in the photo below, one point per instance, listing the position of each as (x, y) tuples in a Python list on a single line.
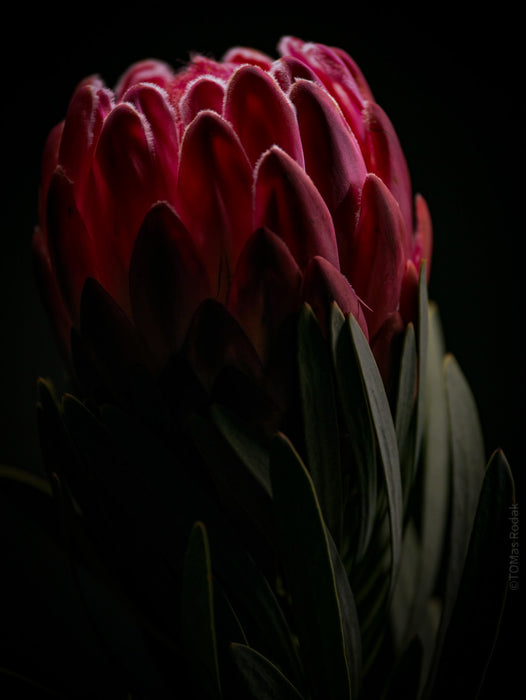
[(288, 502), (259, 183)]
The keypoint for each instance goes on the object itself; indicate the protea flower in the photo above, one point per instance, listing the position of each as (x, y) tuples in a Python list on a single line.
[(258, 183), (247, 227)]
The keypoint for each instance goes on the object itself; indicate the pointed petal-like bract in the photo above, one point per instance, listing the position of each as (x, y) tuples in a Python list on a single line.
[(206, 92), (333, 158), (288, 203), (385, 158), (288, 69), (167, 280), (245, 54), (124, 177), (147, 71), (49, 165), (324, 284), (377, 259), (265, 288), (383, 345), (423, 245), (198, 67), (152, 102), (332, 155), (90, 105), (296, 146), (110, 337), (70, 247), (50, 292), (354, 70), (215, 340), (409, 293), (334, 74), (214, 195), (261, 114)]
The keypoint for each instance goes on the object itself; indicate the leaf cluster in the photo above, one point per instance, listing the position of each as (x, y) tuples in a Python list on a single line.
[(358, 550)]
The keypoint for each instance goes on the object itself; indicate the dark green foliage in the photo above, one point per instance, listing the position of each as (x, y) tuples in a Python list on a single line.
[(232, 531)]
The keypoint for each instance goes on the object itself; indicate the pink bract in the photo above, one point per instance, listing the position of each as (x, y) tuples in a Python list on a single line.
[(259, 183)]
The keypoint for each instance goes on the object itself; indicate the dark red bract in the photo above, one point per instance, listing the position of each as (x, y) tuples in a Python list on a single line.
[(259, 183)]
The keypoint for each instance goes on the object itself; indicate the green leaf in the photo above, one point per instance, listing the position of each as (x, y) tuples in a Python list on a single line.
[(172, 500), (406, 588), (405, 408), (422, 340), (358, 421), (252, 453), (468, 463), (263, 679), (198, 623), (427, 541), (406, 386), (349, 614), (435, 489), (320, 419), (337, 321), (467, 471), (18, 685), (65, 623), (423, 550), (435, 480), (385, 434), (481, 595), (310, 575), (256, 606), (228, 625), (25, 477), (55, 445), (238, 465)]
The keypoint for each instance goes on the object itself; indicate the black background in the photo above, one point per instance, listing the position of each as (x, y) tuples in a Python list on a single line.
[(452, 84)]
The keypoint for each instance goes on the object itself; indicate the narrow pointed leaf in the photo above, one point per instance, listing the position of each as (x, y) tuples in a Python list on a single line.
[(228, 625), (254, 455), (309, 574), (405, 403), (264, 681), (320, 420), (53, 439), (173, 497), (467, 452), (350, 621), (422, 341), (238, 465), (422, 552), (337, 320), (467, 470), (435, 480), (358, 422), (25, 477), (436, 453), (479, 605), (385, 436), (83, 636), (406, 386), (406, 588), (434, 491), (198, 624)]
